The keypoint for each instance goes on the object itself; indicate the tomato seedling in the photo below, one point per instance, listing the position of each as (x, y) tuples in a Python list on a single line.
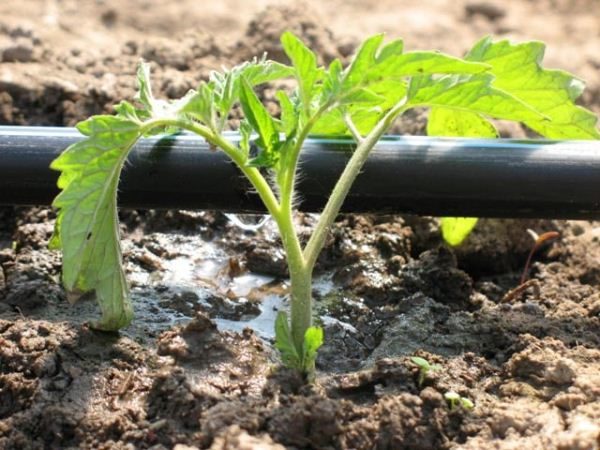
[(454, 400), (497, 80), (425, 368)]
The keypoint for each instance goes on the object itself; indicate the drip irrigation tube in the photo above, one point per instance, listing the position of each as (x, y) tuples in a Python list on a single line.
[(419, 175)]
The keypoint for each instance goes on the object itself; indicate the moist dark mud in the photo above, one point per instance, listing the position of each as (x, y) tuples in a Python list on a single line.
[(197, 368)]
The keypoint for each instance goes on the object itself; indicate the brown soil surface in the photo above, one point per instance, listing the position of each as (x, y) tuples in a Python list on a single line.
[(189, 373)]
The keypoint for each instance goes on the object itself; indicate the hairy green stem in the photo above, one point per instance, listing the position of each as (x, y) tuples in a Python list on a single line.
[(253, 175), (300, 272), (342, 187), (300, 305), (292, 166), (352, 128)]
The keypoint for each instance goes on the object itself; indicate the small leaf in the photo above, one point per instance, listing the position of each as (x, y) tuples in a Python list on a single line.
[(363, 60), (227, 83), (466, 403), (264, 71), (456, 229), (452, 398), (130, 112), (313, 339), (266, 159), (289, 118), (245, 132), (200, 104), (305, 64), (144, 93), (261, 122), (390, 50), (332, 82), (284, 343), (421, 362), (225, 94)]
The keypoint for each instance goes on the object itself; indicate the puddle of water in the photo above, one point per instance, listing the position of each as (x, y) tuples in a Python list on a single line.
[(323, 284), (242, 286), (263, 324), (202, 267)]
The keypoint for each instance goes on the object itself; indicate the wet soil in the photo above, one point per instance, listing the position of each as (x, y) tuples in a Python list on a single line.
[(197, 367)]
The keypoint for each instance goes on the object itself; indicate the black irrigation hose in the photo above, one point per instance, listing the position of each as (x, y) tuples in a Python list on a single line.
[(429, 176)]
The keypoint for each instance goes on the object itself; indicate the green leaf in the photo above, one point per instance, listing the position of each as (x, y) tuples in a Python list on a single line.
[(245, 132), (200, 104), (517, 70), (313, 339), (332, 82), (227, 83), (473, 93), (466, 403), (392, 90), (152, 107), (264, 71), (422, 63), (365, 106), (87, 228), (284, 342), (390, 50), (363, 60), (332, 123), (144, 93), (128, 111), (225, 92), (456, 229), (305, 64), (421, 362), (362, 96), (289, 117), (454, 123), (262, 123)]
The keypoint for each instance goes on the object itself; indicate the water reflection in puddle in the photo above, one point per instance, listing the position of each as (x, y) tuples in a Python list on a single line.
[(206, 270)]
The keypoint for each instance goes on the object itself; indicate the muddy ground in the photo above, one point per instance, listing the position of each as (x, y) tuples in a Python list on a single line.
[(197, 368)]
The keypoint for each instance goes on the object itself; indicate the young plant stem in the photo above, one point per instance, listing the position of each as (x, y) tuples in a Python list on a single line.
[(302, 263), (352, 128), (342, 187), (258, 181), (300, 272), (301, 305)]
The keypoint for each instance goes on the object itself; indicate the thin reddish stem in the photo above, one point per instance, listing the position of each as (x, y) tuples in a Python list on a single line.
[(541, 239)]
